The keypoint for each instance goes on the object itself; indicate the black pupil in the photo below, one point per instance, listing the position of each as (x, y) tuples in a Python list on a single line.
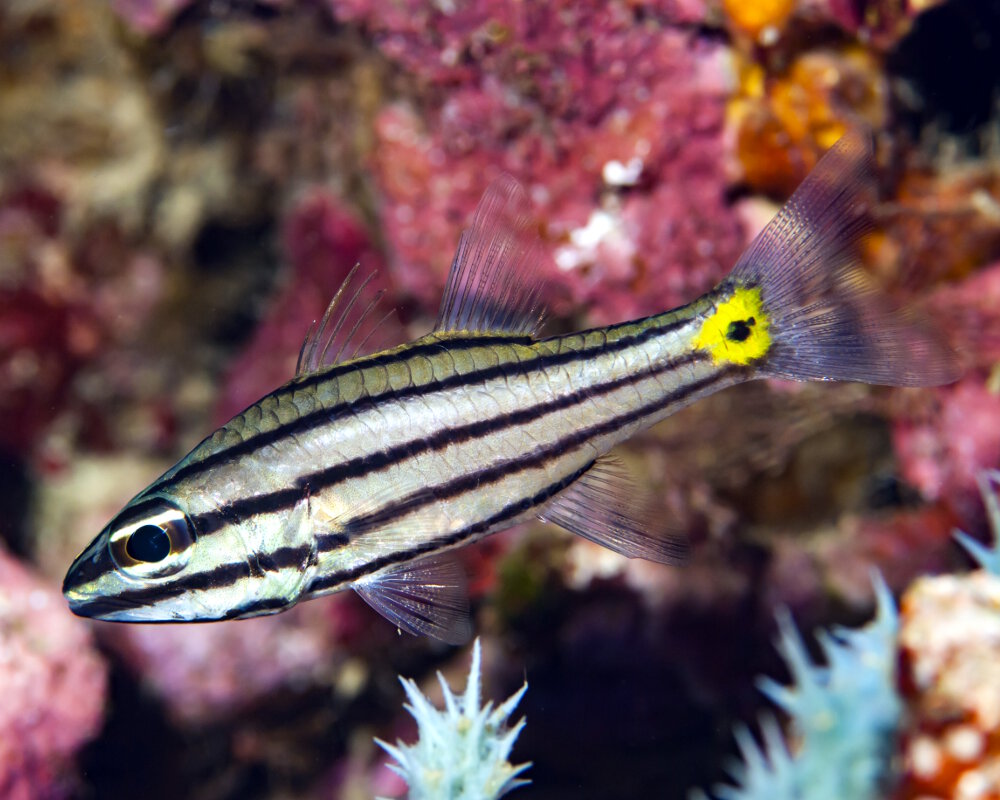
[(149, 543), (739, 331)]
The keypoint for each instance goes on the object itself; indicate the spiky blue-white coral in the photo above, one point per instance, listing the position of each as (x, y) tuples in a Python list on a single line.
[(844, 716), (988, 557), (462, 750)]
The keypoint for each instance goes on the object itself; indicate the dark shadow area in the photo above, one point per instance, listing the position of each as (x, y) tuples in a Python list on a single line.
[(947, 69)]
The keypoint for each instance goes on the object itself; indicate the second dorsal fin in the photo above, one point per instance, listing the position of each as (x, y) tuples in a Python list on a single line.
[(494, 283), (350, 320)]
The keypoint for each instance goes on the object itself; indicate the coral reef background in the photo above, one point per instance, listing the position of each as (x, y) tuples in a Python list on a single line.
[(183, 186)]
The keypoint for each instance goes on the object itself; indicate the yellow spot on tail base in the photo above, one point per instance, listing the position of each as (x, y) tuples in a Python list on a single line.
[(737, 332)]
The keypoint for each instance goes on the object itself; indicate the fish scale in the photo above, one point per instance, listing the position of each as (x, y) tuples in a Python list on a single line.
[(365, 473)]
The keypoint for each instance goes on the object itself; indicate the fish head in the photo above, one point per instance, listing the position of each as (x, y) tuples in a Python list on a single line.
[(149, 564), (133, 571)]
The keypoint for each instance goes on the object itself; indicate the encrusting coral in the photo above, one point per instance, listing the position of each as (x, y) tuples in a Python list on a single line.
[(950, 652), (611, 133), (950, 676)]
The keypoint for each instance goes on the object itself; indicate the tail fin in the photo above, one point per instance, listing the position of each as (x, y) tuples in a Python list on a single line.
[(826, 320)]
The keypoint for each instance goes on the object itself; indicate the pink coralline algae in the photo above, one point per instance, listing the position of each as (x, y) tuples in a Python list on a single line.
[(54, 686), (43, 337), (945, 443), (970, 312), (942, 451), (149, 17), (611, 117), (55, 316)]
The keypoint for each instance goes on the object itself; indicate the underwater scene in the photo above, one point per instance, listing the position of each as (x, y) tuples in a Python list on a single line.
[(584, 399)]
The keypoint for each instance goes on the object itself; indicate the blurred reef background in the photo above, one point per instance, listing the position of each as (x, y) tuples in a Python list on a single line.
[(185, 183)]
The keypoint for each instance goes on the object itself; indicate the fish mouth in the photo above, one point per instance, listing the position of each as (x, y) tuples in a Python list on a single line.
[(82, 589), (109, 608), (86, 568), (83, 601), (116, 609)]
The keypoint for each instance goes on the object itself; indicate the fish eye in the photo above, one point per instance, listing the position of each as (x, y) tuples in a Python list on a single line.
[(152, 541), (149, 543)]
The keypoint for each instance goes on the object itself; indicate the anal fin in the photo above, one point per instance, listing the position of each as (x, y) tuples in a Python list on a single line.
[(427, 596), (606, 506)]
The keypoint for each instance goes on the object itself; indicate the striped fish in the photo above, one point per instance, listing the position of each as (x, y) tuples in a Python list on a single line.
[(363, 473)]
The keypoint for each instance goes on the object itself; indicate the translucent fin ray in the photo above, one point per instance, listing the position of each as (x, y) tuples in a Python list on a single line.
[(339, 332), (827, 320), (426, 597), (493, 285), (605, 506)]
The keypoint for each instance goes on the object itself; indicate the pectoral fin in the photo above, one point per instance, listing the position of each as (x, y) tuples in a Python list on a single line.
[(607, 507)]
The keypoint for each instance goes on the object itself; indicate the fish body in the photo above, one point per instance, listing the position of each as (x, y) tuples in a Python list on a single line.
[(364, 473)]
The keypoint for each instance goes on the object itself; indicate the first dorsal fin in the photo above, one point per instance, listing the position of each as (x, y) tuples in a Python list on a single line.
[(606, 506), (494, 284), (347, 326)]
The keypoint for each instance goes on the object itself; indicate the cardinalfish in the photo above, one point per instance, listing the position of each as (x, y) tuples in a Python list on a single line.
[(364, 473)]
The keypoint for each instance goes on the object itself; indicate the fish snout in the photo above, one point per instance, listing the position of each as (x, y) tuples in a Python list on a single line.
[(83, 586)]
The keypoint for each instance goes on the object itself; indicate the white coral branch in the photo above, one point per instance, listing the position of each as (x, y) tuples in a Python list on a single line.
[(986, 555), (844, 715), (461, 751)]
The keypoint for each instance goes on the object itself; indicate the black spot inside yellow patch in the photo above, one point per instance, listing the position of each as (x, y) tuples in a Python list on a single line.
[(735, 331), (739, 329)]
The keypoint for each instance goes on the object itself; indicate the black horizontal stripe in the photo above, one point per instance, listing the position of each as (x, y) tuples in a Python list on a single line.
[(509, 512), (89, 566), (362, 466), (227, 574), (414, 350), (319, 417), (99, 607), (256, 608), (138, 510), (308, 421), (284, 557), (222, 575), (512, 510), (230, 573), (537, 458), (217, 578)]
